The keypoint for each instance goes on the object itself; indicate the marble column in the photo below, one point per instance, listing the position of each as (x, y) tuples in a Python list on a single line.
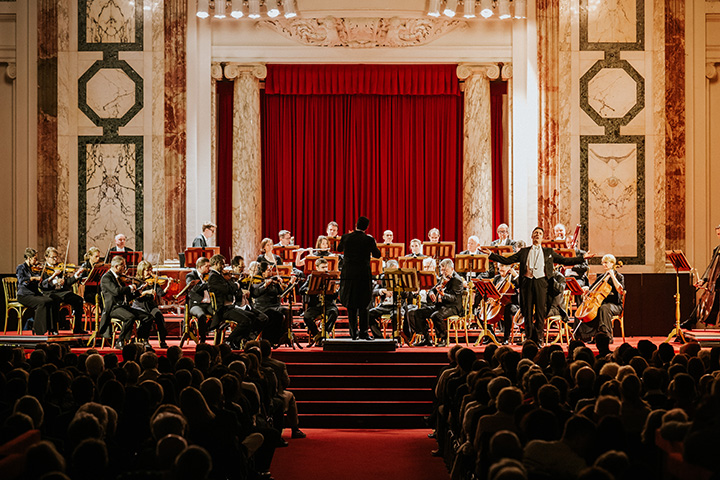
[(247, 187), (477, 157), (176, 17), (548, 46)]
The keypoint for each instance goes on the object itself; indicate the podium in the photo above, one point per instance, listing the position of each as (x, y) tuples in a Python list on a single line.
[(680, 263), (401, 280), (321, 284), (487, 289), (193, 253), (391, 251)]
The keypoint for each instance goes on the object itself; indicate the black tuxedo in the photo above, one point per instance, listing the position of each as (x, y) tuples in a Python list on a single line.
[(115, 299), (197, 308), (64, 294), (225, 292), (29, 295), (313, 309), (356, 278), (448, 305), (534, 291), (200, 241)]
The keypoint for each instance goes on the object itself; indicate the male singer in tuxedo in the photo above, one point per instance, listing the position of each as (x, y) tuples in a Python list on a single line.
[(208, 231), (356, 276), (536, 270)]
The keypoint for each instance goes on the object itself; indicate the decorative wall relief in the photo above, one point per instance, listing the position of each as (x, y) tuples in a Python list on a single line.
[(110, 94), (363, 32)]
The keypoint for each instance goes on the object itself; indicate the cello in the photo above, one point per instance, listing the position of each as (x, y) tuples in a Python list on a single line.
[(707, 299), (588, 309)]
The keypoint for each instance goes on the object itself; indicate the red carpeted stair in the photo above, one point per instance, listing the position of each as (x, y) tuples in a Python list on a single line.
[(363, 389)]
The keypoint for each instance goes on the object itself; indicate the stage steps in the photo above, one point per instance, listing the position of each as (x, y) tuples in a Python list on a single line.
[(372, 390)]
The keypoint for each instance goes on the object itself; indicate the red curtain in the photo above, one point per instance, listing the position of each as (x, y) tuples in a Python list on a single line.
[(382, 141), (497, 92), (223, 181)]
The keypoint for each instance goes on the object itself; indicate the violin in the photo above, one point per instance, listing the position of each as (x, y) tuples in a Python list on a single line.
[(159, 280), (587, 311)]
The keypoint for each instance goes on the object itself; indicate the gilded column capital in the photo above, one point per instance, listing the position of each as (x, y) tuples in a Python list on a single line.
[(489, 70), (234, 70), (711, 70), (11, 71), (507, 71), (216, 71)]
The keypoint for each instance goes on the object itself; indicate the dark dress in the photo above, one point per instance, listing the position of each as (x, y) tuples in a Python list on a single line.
[(356, 278)]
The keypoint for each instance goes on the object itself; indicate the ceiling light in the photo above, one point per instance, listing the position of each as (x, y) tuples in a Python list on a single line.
[(236, 10), (254, 9), (504, 9), (203, 9), (219, 8), (272, 8), (486, 8), (289, 7), (469, 9), (450, 8), (520, 8)]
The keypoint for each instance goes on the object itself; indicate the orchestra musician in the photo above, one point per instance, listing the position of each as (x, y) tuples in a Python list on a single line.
[(92, 258), (198, 298), (473, 248), (29, 294), (121, 244), (434, 235), (267, 297), (58, 286), (208, 231), (266, 253), (147, 300), (244, 279), (356, 276), (388, 305), (313, 308), (285, 237), (446, 298), (388, 236), (511, 302), (559, 231), (322, 249), (116, 296), (332, 229), (503, 232), (225, 292), (612, 304), (536, 270)]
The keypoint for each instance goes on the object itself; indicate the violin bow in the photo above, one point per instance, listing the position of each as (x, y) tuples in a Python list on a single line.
[(67, 250)]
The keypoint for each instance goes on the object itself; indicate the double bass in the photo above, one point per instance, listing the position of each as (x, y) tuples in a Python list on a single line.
[(588, 309)]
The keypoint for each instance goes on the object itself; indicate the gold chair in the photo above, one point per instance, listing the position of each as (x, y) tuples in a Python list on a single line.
[(517, 321), (555, 322), (221, 330), (11, 303), (621, 319), (459, 323), (191, 328)]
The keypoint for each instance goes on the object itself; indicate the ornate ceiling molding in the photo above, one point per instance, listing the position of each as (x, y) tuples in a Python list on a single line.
[(363, 32)]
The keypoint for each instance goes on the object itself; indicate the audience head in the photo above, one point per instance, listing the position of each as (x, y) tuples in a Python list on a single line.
[(194, 463), (43, 458), (31, 407)]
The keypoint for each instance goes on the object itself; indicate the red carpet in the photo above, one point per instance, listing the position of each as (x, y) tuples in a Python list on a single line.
[(359, 455)]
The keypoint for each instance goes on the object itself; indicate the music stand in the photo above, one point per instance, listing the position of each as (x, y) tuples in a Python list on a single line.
[(376, 266), (504, 250), (554, 244), (287, 253), (572, 284), (311, 259), (487, 289), (426, 280), (679, 261), (401, 280), (93, 280), (321, 284), (391, 251), (132, 258), (472, 264), (334, 241), (193, 253), (439, 250), (566, 252), (412, 262)]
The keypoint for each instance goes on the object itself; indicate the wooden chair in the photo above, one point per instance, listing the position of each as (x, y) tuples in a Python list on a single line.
[(11, 303), (563, 333), (226, 324), (458, 323), (621, 319), (191, 329), (517, 321)]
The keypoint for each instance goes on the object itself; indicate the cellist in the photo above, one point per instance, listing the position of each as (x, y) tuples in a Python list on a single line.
[(611, 305), (707, 312), (511, 304)]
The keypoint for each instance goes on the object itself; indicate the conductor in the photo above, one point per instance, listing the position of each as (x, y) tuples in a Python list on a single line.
[(356, 277)]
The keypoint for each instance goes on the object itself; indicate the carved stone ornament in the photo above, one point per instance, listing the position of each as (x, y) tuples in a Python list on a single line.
[(711, 71), (234, 70), (507, 71), (216, 71), (490, 70), (11, 71), (363, 32)]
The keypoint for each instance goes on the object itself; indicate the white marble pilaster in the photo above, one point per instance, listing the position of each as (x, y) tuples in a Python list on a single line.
[(216, 72), (477, 157), (507, 74), (247, 187)]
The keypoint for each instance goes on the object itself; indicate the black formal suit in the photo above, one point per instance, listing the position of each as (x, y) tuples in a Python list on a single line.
[(313, 309), (29, 295), (116, 298), (446, 306), (266, 300), (534, 291), (200, 309), (116, 249), (356, 278), (225, 292), (64, 294), (200, 241)]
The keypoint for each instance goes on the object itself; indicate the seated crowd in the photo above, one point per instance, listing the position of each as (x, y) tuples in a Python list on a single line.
[(542, 414), (219, 415)]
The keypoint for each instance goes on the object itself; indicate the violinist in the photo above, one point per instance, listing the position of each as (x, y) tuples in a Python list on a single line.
[(267, 296), (447, 299), (242, 299), (225, 292), (116, 296), (313, 308), (612, 304), (29, 294), (58, 287), (198, 297), (149, 292), (92, 258), (510, 303)]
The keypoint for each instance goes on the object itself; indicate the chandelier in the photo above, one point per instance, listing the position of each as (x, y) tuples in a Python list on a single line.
[(251, 8), (486, 8)]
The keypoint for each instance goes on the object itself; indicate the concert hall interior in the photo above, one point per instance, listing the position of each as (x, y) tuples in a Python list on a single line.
[(358, 187)]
